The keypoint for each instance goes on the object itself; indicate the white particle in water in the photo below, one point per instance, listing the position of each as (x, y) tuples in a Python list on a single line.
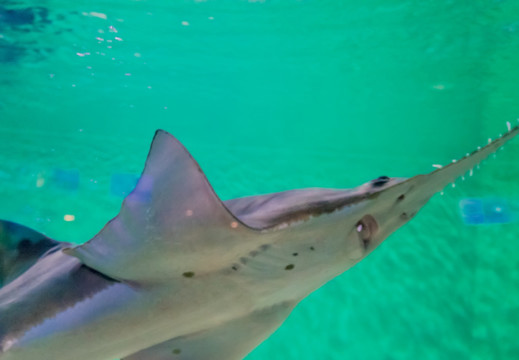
[(98, 15)]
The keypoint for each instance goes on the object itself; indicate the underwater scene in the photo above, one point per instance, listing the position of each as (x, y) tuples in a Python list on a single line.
[(270, 96)]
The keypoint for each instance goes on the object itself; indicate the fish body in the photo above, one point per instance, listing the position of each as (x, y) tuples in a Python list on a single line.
[(61, 307), (179, 274)]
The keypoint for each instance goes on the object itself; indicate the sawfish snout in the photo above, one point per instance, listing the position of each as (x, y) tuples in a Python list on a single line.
[(392, 202), (422, 187)]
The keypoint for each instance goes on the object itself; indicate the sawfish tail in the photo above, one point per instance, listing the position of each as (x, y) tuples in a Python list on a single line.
[(20, 248)]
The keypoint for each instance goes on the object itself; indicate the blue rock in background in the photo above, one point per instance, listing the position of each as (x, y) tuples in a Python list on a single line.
[(66, 179), (472, 211), (23, 17), (475, 211), (16, 26)]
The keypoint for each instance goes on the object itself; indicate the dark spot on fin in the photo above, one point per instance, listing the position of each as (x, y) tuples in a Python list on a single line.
[(401, 197), (312, 248), (188, 274), (295, 254), (289, 267), (176, 351)]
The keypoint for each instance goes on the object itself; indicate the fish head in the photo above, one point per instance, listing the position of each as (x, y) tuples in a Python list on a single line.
[(332, 230)]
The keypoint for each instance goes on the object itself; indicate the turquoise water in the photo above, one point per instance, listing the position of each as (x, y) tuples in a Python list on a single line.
[(275, 95)]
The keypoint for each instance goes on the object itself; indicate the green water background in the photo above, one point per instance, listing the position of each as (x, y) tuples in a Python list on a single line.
[(275, 95)]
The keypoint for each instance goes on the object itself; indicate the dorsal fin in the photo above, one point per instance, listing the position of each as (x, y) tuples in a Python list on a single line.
[(167, 224), (20, 248)]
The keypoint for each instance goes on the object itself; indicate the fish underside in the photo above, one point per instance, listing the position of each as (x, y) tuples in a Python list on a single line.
[(179, 274)]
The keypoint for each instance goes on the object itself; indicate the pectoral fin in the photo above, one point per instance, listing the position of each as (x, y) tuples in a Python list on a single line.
[(20, 248)]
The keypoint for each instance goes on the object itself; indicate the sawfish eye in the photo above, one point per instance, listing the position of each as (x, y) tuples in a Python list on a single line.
[(366, 228)]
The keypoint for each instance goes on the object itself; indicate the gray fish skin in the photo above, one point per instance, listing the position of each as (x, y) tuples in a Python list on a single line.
[(180, 275), (20, 248)]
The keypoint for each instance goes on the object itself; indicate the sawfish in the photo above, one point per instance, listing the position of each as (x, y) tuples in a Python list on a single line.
[(180, 274)]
